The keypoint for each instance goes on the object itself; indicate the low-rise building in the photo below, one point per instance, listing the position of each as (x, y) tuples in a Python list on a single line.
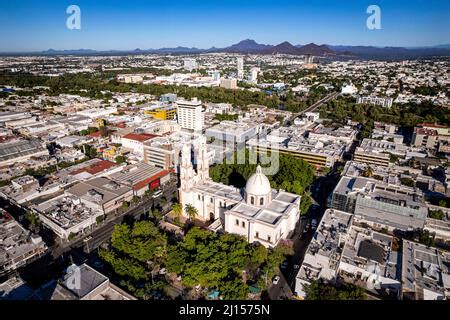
[(19, 151), (380, 204), (81, 282), (374, 100), (101, 194), (67, 215), (141, 177), (425, 272), (18, 246), (232, 131)]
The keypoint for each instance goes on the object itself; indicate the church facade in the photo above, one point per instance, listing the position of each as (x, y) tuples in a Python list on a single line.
[(257, 212)]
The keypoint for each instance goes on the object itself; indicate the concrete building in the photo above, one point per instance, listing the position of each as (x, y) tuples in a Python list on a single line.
[(322, 257), (430, 136), (425, 272), (380, 204), (81, 282), (101, 194), (135, 141), (18, 246), (320, 147), (141, 177), (228, 83), (19, 151), (232, 131), (190, 114), (378, 152), (240, 67), (377, 101), (162, 112), (341, 249), (68, 215)]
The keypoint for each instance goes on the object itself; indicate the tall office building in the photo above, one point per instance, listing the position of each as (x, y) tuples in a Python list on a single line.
[(190, 114), (240, 67)]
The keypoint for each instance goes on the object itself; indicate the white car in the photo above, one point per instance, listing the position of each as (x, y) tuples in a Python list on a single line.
[(157, 194), (276, 280)]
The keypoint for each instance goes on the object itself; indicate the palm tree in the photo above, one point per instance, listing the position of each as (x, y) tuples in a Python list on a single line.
[(177, 210), (191, 211)]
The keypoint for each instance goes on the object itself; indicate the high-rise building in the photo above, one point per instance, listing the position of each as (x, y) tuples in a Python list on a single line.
[(254, 75), (240, 67), (190, 114)]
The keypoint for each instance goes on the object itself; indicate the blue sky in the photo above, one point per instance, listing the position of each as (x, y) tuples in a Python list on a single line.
[(30, 25)]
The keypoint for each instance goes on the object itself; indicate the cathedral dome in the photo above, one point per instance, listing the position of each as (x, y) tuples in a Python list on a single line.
[(258, 184)]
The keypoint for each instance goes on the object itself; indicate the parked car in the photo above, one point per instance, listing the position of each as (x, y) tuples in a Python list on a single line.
[(276, 280), (314, 223), (157, 194), (284, 265)]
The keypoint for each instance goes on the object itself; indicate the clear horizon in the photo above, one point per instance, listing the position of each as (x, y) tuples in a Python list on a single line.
[(114, 25)]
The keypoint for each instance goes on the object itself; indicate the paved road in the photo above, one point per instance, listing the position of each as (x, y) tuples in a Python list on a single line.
[(102, 233), (316, 105), (280, 291)]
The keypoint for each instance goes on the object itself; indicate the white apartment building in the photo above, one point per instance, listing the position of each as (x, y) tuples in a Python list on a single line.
[(190, 114), (240, 67)]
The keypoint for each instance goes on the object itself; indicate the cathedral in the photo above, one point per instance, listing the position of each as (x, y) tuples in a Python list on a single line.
[(258, 212)]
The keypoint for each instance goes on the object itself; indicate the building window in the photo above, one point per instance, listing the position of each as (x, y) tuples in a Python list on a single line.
[(257, 234), (237, 222), (243, 224), (261, 201), (212, 201), (252, 200), (268, 238), (198, 197)]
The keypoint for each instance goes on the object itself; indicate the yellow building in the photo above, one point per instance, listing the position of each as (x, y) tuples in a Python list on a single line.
[(162, 113)]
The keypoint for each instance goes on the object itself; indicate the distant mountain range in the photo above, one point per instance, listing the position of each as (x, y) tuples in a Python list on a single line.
[(249, 46)]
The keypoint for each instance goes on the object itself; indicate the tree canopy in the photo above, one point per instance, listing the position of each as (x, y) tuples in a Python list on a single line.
[(321, 290)]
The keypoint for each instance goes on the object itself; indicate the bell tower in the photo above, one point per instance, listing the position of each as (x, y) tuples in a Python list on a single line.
[(187, 174), (202, 162)]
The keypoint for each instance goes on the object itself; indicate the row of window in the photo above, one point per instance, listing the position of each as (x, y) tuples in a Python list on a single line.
[(211, 200), (252, 201), (242, 224)]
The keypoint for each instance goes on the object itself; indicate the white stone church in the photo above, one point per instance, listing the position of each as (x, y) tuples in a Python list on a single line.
[(257, 212)]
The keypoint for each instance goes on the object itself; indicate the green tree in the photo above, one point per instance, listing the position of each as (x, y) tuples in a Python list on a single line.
[(234, 289), (321, 290), (177, 210), (191, 212), (437, 214), (32, 218), (120, 159)]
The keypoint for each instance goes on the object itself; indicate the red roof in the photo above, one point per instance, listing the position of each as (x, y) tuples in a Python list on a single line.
[(431, 125), (95, 134), (147, 181), (139, 136), (120, 124), (95, 168)]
